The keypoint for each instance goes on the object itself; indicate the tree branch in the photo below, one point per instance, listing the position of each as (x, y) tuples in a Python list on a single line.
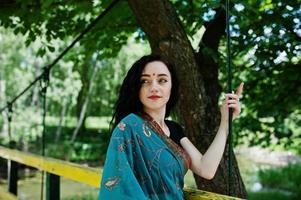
[(215, 29)]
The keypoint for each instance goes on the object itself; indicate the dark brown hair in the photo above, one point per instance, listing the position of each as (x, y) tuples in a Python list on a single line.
[(128, 100)]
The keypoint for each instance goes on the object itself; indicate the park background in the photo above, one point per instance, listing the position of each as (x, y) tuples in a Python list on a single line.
[(266, 56)]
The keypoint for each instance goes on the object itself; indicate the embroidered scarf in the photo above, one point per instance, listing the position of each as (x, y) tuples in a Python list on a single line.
[(143, 163)]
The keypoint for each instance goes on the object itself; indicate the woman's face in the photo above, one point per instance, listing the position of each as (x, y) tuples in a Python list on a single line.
[(155, 86)]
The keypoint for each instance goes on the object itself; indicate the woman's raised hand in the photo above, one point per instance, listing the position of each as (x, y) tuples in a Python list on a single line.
[(231, 101)]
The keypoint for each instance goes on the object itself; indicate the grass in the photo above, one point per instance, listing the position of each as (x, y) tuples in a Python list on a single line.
[(189, 180), (91, 122), (287, 178), (268, 195), (279, 183)]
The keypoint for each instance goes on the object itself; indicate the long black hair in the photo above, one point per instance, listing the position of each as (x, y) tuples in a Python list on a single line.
[(128, 100)]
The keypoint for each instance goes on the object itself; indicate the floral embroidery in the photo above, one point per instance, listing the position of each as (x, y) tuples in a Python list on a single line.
[(146, 130), (121, 147), (171, 144), (112, 182), (121, 126), (139, 141)]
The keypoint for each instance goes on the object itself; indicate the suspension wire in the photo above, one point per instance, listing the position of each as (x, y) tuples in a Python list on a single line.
[(44, 83), (84, 32), (229, 82)]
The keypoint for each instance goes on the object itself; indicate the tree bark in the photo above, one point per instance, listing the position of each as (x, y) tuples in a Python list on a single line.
[(66, 103), (199, 89), (85, 71), (35, 91), (82, 114), (5, 125)]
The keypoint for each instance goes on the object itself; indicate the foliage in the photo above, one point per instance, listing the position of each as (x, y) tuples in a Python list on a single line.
[(267, 56), (265, 46), (59, 19), (65, 83), (268, 195), (286, 178), (90, 145)]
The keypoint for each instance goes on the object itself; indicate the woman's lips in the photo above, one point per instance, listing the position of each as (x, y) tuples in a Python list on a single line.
[(154, 97)]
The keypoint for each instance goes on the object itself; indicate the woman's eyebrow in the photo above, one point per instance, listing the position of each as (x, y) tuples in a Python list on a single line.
[(162, 74), (148, 75)]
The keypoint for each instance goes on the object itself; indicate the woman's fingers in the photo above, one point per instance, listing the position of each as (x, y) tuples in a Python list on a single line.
[(231, 101), (232, 96), (239, 89), (237, 93), (233, 106)]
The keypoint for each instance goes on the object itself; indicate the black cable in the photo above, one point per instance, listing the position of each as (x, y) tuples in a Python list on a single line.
[(229, 91), (44, 83), (90, 26)]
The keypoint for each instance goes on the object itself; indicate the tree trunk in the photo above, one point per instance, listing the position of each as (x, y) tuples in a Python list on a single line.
[(35, 98), (66, 104), (5, 125), (199, 89), (85, 72), (82, 115)]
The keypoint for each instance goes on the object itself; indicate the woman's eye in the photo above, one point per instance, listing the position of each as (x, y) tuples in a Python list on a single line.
[(162, 81), (144, 81)]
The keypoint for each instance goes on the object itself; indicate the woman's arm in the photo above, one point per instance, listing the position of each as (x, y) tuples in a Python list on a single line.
[(206, 165)]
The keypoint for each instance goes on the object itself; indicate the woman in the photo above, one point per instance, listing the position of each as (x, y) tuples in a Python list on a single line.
[(148, 156)]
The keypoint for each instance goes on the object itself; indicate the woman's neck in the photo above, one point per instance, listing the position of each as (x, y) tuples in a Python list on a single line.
[(158, 116)]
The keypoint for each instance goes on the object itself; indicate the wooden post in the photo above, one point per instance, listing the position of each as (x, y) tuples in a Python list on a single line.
[(12, 168), (52, 187)]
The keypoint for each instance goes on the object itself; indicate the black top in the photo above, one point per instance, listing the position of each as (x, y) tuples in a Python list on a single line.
[(176, 131)]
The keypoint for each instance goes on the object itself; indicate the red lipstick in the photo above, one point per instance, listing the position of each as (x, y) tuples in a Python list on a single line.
[(154, 97)]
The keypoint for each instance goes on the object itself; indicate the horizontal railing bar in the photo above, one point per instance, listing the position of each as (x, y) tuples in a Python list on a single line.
[(87, 175), (7, 195), (194, 194)]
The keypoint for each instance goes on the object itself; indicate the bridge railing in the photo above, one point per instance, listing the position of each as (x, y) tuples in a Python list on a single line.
[(56, 168)]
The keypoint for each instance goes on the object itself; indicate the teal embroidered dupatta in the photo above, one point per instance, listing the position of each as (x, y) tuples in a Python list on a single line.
[(143, 163)]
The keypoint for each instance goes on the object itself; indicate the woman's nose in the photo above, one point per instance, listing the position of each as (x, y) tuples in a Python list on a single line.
[(154, 86)]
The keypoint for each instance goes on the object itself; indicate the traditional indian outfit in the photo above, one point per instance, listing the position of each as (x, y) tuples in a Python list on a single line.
[(143, 163)]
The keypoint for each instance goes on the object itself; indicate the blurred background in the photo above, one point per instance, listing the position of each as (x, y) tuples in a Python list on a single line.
[(266, 56)]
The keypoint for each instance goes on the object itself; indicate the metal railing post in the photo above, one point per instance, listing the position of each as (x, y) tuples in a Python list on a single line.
[(12, 173), (52, 187)]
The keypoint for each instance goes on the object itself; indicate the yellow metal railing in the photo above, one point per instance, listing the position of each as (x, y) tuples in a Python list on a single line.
[(87, 175), (4, 195), (193, 194)]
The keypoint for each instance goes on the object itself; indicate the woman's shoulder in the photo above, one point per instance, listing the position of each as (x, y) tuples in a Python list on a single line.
[(131, 119), (127, 124)]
